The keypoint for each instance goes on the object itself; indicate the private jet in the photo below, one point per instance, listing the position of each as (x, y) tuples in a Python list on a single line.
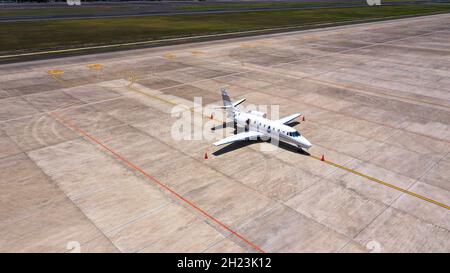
[(257, 126)]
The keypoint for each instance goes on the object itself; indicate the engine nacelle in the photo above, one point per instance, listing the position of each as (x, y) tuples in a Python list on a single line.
[(257, 113)]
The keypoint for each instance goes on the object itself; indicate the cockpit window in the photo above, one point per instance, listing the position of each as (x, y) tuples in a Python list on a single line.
[(295, 134)]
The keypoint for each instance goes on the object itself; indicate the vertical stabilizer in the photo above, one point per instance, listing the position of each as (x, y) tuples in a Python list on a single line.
[(227, 103)]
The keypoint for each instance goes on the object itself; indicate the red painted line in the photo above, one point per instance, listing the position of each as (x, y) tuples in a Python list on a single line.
[(136, 168)]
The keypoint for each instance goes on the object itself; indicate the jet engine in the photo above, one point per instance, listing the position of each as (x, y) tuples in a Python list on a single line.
[(257, 113)]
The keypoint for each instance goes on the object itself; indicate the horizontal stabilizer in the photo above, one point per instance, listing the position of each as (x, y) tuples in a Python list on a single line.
[(238, 102), (222, 107), (234, 104)]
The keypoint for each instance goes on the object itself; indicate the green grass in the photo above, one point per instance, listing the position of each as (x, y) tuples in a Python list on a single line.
[(58, 34)]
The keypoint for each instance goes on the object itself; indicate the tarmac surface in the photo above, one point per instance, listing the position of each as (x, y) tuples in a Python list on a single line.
[(90, 158), (159, 8)]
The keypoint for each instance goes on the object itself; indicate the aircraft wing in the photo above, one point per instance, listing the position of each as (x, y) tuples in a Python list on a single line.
[(288, 118), (238, 137)]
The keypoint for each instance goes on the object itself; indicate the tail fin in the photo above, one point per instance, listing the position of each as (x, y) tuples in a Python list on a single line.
[(225, 98), (227, 103)]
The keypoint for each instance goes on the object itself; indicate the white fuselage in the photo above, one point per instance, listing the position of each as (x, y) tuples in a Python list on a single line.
[(270, 128)]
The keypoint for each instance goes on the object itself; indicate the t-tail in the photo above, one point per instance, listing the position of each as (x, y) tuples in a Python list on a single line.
[(229, 106)]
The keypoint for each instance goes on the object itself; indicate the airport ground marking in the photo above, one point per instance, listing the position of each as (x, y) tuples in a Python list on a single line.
[(55, 74), (55, 71), (170, 56), (95, 66), (197, 52), (152, 178), (382, 182)]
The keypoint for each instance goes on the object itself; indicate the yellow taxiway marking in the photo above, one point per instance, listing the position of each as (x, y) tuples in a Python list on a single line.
[(382, 182), (197, 52), (95, 66), (170, 56), (55, 72)]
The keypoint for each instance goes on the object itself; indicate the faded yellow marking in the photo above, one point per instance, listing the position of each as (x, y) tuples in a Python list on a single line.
[(95, 66), (55, 72), (170, 56), (197, 52)]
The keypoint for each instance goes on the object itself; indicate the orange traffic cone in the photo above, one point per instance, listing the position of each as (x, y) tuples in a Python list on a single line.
[(303, 118), (206, 155), (322, 158)]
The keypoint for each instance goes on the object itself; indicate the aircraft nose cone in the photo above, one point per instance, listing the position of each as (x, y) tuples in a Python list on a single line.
[(305, 143)]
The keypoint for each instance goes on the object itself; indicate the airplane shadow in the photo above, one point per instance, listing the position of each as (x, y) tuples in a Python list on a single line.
[(241, 144), (223, 125), (235, 146)]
